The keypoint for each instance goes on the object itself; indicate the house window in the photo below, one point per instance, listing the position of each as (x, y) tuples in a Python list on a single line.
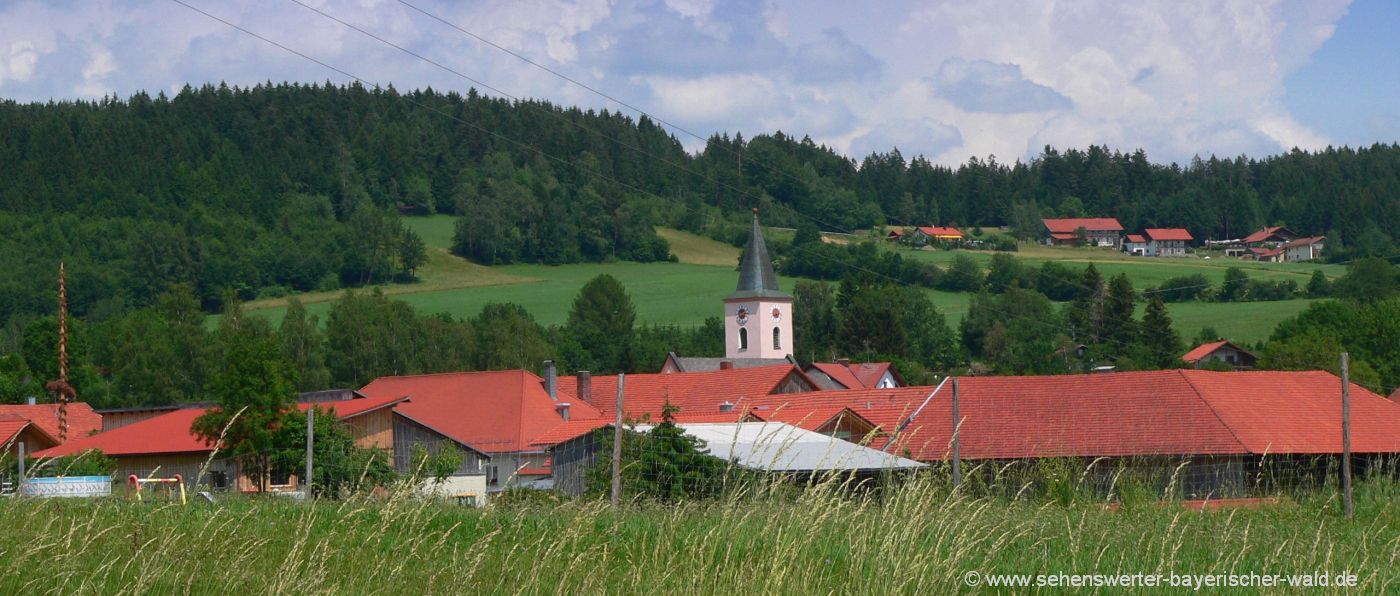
[(743, 339), (777, 339)]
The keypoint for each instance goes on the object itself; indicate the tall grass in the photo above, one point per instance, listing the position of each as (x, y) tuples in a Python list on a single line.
[(918, 537)]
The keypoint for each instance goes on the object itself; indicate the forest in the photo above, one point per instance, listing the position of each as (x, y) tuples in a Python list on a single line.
[(279, 188), (166, 209)]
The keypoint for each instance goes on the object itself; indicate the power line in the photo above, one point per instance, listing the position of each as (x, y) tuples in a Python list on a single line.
[(542, 153)]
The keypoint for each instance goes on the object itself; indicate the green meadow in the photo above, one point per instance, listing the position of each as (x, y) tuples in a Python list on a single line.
[(687, 292), (912, 539)]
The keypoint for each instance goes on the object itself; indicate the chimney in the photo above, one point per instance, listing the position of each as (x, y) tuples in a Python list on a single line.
[(585, 386), (30, 400), (725, 365), (563, 408), (551, 380)]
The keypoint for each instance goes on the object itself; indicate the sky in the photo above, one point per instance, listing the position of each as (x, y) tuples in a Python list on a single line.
[(946, 80)]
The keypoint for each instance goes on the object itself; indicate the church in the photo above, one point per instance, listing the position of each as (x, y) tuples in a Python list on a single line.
[(757, 317)]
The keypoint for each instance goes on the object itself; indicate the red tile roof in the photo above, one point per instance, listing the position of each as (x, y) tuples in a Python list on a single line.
[(1091, 224), (937, 231), (82, 420), (1138, 238), (1303, 242), (491, 411), (164, 434), (11, 426), (1265, 234), (1160, 234), (1203, 350), (869, 373), (1176, 412), (691, 392), (170, 432), (840, 373)]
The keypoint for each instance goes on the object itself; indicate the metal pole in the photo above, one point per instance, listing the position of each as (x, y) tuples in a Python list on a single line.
[(617, 444), (957, 422), (1346, 436), (310, 433)]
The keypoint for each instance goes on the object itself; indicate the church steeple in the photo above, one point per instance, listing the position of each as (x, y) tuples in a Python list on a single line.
[(756, 276), (758, 315)]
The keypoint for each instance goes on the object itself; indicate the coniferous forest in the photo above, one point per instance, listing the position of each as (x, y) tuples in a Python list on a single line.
[(165, 209), (280, 188)]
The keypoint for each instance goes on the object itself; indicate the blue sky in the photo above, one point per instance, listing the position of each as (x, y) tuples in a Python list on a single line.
[(948, 80)]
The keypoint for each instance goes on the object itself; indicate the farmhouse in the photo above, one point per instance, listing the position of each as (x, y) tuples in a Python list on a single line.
[(931, 234), (1097, 231), (1135, 244), (1303, 249), (164, 446), (1167, 242), (896, 235), (1270, 236), (1220, 351), (493, 413)]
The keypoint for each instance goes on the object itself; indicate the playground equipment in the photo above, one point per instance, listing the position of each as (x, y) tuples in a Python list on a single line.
[(134, 483)]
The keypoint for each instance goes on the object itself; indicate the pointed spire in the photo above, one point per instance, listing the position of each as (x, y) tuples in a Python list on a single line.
[(756, 276)]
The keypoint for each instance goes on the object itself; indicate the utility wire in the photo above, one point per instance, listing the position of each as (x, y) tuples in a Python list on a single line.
[(549, 156)]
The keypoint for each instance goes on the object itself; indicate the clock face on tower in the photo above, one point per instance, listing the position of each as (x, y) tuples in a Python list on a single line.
[(777, 314), (741, 316)]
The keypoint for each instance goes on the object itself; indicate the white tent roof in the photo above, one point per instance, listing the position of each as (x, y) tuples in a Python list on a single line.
[(778, 447)]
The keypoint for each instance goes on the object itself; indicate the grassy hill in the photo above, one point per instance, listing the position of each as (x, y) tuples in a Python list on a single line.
[(687, 292)]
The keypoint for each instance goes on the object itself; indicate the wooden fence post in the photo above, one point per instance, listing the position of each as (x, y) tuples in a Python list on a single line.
[(617, 445), (310, 434), (957, 458), (1346, 436)]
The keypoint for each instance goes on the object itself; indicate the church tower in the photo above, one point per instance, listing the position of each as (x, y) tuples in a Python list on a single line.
[(757, 316)]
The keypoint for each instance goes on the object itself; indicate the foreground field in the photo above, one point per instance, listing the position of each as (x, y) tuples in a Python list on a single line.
[(916, 540)]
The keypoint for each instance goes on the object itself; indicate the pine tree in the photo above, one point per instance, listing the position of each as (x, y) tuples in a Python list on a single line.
[(601, 322), (1118, 326), (1086, 310), (1158, 334)]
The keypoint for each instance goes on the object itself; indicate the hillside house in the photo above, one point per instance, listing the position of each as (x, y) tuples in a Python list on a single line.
[(937, 234), (1167, 242), (1220, 351), (896, 235), (164, 446), (1264, 255), (1303, 249), (1097, 231), (1268, 237), (1135, 244)]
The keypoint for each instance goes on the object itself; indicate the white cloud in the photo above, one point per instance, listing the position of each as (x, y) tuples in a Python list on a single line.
[(951, 80), (98, 67), (18, 62), (713, 98)]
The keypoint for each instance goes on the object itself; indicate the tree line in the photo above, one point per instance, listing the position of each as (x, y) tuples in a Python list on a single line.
[(279, 188)]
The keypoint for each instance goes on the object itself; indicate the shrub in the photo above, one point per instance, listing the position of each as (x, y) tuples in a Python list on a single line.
[(1184, 288)]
